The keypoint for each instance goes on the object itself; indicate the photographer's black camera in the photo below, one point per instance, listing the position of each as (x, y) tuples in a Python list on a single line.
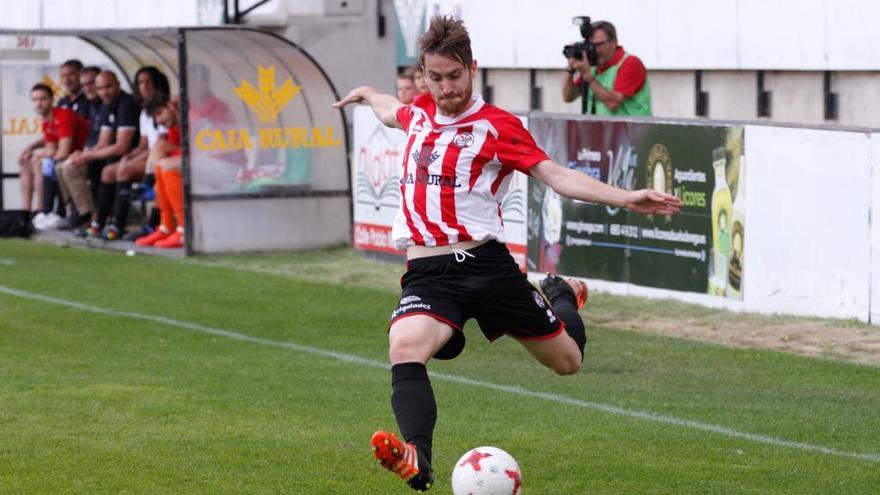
[(577, 50)]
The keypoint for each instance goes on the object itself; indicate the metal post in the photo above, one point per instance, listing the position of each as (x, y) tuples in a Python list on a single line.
[(534, 90), (702, 97), (830, 99), (484, 82), (186, 161), (2, 165), (764, 97)]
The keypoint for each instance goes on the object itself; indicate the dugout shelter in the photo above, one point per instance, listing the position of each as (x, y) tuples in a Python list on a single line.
[(265, 159)]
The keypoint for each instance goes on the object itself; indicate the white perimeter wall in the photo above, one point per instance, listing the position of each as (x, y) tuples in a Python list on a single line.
[(92, 14), (811, 248), (875, 228), (808, 236), (680, 34)]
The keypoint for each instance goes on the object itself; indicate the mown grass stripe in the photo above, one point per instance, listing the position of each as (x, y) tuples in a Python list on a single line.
[(349, 358)]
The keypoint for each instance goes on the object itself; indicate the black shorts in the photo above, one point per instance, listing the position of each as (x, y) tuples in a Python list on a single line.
[(483, 283)]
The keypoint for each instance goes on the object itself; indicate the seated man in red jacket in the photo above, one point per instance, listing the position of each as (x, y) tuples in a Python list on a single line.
[(64, 132)]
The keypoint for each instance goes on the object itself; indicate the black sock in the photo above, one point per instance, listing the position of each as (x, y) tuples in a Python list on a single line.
[(83, 220), (155, 218), (105, 202), (120, 206), (565, 308), (412, 400), (50, 190)]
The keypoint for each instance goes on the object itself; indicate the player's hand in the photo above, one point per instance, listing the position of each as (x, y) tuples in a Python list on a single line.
[(652, 202), (357, 95)]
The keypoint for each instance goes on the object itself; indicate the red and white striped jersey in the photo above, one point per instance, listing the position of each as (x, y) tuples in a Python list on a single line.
[(456, 171)]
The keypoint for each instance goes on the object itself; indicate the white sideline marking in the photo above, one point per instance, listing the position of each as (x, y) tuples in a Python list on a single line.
[(349, 358)]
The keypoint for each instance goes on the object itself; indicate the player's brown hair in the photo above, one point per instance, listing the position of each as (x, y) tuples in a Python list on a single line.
[(448, 37), (408, 73), (159, 101), (43, 87)]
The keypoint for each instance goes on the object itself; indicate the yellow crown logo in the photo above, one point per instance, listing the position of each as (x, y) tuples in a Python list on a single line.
[(267, 101)]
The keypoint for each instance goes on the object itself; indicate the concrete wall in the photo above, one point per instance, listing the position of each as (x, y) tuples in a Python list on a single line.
[(812, 35), (550, 82), (732, 94), (92, 14), (348, 47), (859, 98), (510, 89), (796, 96), (673, 93), (794, 42)]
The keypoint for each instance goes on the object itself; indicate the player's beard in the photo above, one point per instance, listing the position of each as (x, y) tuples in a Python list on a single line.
[(456, 103)]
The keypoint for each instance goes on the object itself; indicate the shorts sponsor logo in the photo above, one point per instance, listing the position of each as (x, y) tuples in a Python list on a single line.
[(551, 316), (538, 299), (406, 308), (410, 299)]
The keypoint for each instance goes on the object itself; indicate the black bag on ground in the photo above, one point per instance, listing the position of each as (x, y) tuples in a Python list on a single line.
[(15, 223)]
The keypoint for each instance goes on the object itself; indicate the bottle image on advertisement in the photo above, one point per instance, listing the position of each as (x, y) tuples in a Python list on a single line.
[(737, 237), (721, 223)]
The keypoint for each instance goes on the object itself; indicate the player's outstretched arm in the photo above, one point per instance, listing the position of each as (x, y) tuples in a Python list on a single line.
[(384, 105), (577, 185)]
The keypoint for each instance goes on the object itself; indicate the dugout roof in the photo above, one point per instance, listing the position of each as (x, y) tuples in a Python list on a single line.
[(256, 117)]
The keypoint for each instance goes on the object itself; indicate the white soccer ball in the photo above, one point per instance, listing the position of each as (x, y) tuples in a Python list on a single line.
[(486, 471)]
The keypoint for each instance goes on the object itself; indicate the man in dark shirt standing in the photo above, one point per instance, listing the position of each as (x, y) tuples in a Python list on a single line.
[(119, 134)]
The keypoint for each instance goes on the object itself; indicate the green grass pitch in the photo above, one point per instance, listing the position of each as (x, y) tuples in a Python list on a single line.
[(267, 375)]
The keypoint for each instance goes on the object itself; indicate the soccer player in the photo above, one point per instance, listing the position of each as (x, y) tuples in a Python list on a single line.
[(169, 179), (459, 155)]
